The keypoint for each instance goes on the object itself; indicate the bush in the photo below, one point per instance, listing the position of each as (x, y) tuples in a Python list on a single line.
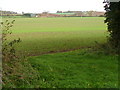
[(8, 50), (113, 21), (17, 71)]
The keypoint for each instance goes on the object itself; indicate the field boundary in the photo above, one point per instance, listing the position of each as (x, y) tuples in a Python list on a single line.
[(53, 52)]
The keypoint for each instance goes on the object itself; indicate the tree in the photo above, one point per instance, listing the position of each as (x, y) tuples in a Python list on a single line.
[(113, 21), (59, 11), (90, 13)]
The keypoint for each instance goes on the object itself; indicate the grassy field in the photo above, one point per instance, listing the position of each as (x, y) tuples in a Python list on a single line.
[(78, 68), (75, 69), (59, 24), (43, 35)]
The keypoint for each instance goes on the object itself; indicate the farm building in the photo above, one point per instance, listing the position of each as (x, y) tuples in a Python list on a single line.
[(98, 13), (75, 13), (47, 15), (65, 14), (29, 15), (55, 14)]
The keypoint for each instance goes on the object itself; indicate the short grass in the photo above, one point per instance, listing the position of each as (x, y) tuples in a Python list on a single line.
[(42, 35), (76, 69), (61, 24)]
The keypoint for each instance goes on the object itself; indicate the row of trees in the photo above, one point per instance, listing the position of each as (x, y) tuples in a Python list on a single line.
[(7, 13), (84, 13)]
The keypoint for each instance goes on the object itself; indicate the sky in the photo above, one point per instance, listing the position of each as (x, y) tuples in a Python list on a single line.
[(38, 6)]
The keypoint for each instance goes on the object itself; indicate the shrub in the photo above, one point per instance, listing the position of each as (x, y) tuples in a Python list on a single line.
[(8, 50), (113, 21), (17, 71)]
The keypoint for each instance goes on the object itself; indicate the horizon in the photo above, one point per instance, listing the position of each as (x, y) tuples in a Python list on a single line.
[(36, 6), (48, 11)]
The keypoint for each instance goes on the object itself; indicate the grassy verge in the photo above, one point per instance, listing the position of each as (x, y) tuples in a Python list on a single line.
[(19, 74)]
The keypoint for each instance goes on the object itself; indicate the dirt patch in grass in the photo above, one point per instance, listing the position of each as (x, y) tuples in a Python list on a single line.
[(51, 52)]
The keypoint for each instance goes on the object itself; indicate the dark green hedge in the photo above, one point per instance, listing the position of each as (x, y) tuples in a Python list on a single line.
[(113, 21)]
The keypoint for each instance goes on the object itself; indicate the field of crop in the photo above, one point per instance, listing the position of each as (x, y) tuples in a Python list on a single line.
[(43, 35), (68, 60)]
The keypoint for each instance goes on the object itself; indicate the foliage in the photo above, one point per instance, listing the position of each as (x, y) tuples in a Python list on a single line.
[(8, 50), (113, 21), (17, 72)]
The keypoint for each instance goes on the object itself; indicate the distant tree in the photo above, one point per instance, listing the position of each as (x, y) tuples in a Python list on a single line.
[(45, 12), (59, 11), (22, 12), (113, 21), (90, 13)]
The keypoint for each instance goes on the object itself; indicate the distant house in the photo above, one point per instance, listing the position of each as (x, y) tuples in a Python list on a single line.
[(29, 15), (98, 13), (48, 15), (56, 14), (64, 14)]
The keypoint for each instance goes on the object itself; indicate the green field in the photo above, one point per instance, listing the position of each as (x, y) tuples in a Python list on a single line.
[(76, 69), (60, 24), (68, 60), (43, 35)]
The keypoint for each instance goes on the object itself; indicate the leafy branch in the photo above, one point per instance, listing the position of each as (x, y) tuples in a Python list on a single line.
[(8, 49)]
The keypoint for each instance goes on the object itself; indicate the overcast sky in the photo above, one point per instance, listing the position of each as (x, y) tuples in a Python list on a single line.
[(37, 6)]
